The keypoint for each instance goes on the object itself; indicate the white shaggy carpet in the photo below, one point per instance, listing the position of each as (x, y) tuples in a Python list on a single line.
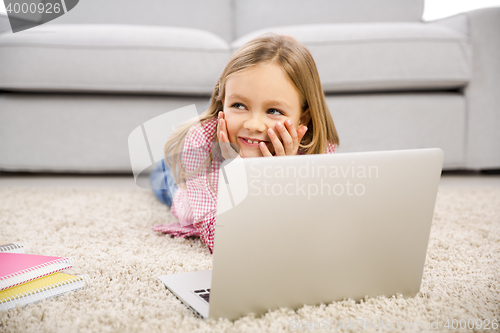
[(108, 234)]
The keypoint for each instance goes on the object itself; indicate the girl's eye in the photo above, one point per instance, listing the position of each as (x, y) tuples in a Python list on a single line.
[(238, 106), (275, 112)]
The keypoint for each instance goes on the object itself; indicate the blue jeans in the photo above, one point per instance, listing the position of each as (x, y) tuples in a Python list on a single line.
[(163, 183)]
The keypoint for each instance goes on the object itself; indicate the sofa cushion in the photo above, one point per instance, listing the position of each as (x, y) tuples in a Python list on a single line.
[(210, 15), (251, 15), (370, 122), (383, 56), (112, 58)]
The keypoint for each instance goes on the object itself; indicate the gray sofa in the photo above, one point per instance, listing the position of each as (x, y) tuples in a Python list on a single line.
[(73, 89)]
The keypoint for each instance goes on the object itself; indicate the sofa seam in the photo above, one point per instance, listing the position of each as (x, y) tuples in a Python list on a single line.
[(391, 40), (466, 162), (397, 81), (114, 47), (361, 42), (364, 41), (198, 88)]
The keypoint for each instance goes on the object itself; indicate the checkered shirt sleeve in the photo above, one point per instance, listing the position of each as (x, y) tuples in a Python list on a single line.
[(331, 148), (197, 204)]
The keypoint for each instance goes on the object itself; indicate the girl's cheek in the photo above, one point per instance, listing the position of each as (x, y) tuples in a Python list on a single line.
[(230, 131), (276, 130)]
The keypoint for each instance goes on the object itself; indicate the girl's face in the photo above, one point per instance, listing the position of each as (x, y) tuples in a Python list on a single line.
[(256, 99)]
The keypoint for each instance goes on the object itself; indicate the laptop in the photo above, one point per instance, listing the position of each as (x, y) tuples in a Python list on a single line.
[(315, 229)]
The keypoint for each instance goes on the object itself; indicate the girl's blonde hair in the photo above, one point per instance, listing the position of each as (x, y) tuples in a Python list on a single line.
[(299, 66)]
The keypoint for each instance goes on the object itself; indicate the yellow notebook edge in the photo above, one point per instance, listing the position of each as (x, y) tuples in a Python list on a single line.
[(74, 283)]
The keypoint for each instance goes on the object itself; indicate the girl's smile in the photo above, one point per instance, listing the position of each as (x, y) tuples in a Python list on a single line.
[(252, 141), (257, 103)]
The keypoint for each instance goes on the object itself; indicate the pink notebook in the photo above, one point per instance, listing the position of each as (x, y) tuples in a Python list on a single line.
[(19, 268)]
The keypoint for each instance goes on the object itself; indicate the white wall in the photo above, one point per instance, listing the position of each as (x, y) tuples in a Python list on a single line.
[(435, 9)]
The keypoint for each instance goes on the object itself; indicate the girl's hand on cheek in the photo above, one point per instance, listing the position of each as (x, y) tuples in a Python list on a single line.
[(290, 139), (226, 149)]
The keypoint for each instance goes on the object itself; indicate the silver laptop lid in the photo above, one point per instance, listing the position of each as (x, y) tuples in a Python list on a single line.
[(319, 228)]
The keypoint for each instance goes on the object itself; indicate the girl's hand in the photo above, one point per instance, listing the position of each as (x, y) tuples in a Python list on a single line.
[(226, 149), (290, 137)]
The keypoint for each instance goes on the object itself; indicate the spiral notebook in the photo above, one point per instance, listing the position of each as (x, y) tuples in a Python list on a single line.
[(12, 247), (19, 268), (46, 287)]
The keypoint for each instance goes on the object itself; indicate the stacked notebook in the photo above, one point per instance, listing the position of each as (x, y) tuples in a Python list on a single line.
[(28, 278), (12, 247)]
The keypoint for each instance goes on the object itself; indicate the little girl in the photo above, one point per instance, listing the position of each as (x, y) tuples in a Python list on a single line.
[(267, 102)]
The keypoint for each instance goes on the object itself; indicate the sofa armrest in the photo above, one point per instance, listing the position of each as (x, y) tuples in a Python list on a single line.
[(482, 146)]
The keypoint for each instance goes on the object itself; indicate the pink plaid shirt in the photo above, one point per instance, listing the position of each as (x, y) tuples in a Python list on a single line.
[(195, 206)]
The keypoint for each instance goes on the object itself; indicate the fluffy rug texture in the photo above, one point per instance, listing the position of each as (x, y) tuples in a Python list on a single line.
[(108, 234)]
